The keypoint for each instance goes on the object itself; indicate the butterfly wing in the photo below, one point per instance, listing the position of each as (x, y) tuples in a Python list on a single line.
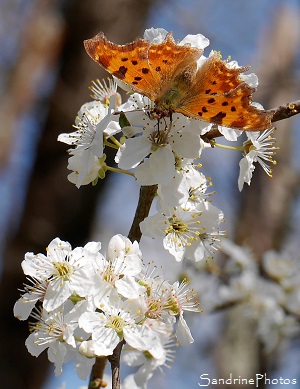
[(219, 96), (147, 68)]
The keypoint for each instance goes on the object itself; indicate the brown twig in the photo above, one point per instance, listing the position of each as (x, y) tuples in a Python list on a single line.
[(279, 113), (96, 378), (114, 360), (285, 111), (147, 194)]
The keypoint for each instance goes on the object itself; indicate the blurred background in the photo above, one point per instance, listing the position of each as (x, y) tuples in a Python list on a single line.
[(44, 79)]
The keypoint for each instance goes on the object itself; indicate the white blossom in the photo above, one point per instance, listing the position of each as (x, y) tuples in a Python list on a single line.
[(259, 148), (94, 122), (159, 355), (67, 271), (160, 144), (112, 325), (55, 331), (186, 234)]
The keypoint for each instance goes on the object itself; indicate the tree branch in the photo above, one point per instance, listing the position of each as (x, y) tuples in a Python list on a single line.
[(115, 365), (285, 111), (96, 377), (147, 194)]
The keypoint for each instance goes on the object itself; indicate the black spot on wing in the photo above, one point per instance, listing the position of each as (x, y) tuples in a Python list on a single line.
[(136, 80), (121, 72), (218, 118)]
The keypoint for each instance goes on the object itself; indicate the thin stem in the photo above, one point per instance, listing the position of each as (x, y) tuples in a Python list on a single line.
[(115, 141), (117, 170), (239, 148), (112, 145)]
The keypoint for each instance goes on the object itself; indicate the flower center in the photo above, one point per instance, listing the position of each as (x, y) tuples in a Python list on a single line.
[(109, 276), (155, 307), (177, 225), (63, 269), (116, 323), (158, 138)]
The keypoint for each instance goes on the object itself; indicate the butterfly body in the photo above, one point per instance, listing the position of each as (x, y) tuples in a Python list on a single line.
[(168, 74), (171, 96)]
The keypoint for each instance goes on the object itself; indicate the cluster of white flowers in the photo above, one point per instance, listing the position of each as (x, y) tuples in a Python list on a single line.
[(161, 152), (84, 303), (270, 295)]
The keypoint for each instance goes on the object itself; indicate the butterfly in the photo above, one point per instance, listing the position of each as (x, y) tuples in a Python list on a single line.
[(167, 73)]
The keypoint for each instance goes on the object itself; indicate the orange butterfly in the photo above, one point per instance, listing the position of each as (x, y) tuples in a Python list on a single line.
[(167, 74)]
